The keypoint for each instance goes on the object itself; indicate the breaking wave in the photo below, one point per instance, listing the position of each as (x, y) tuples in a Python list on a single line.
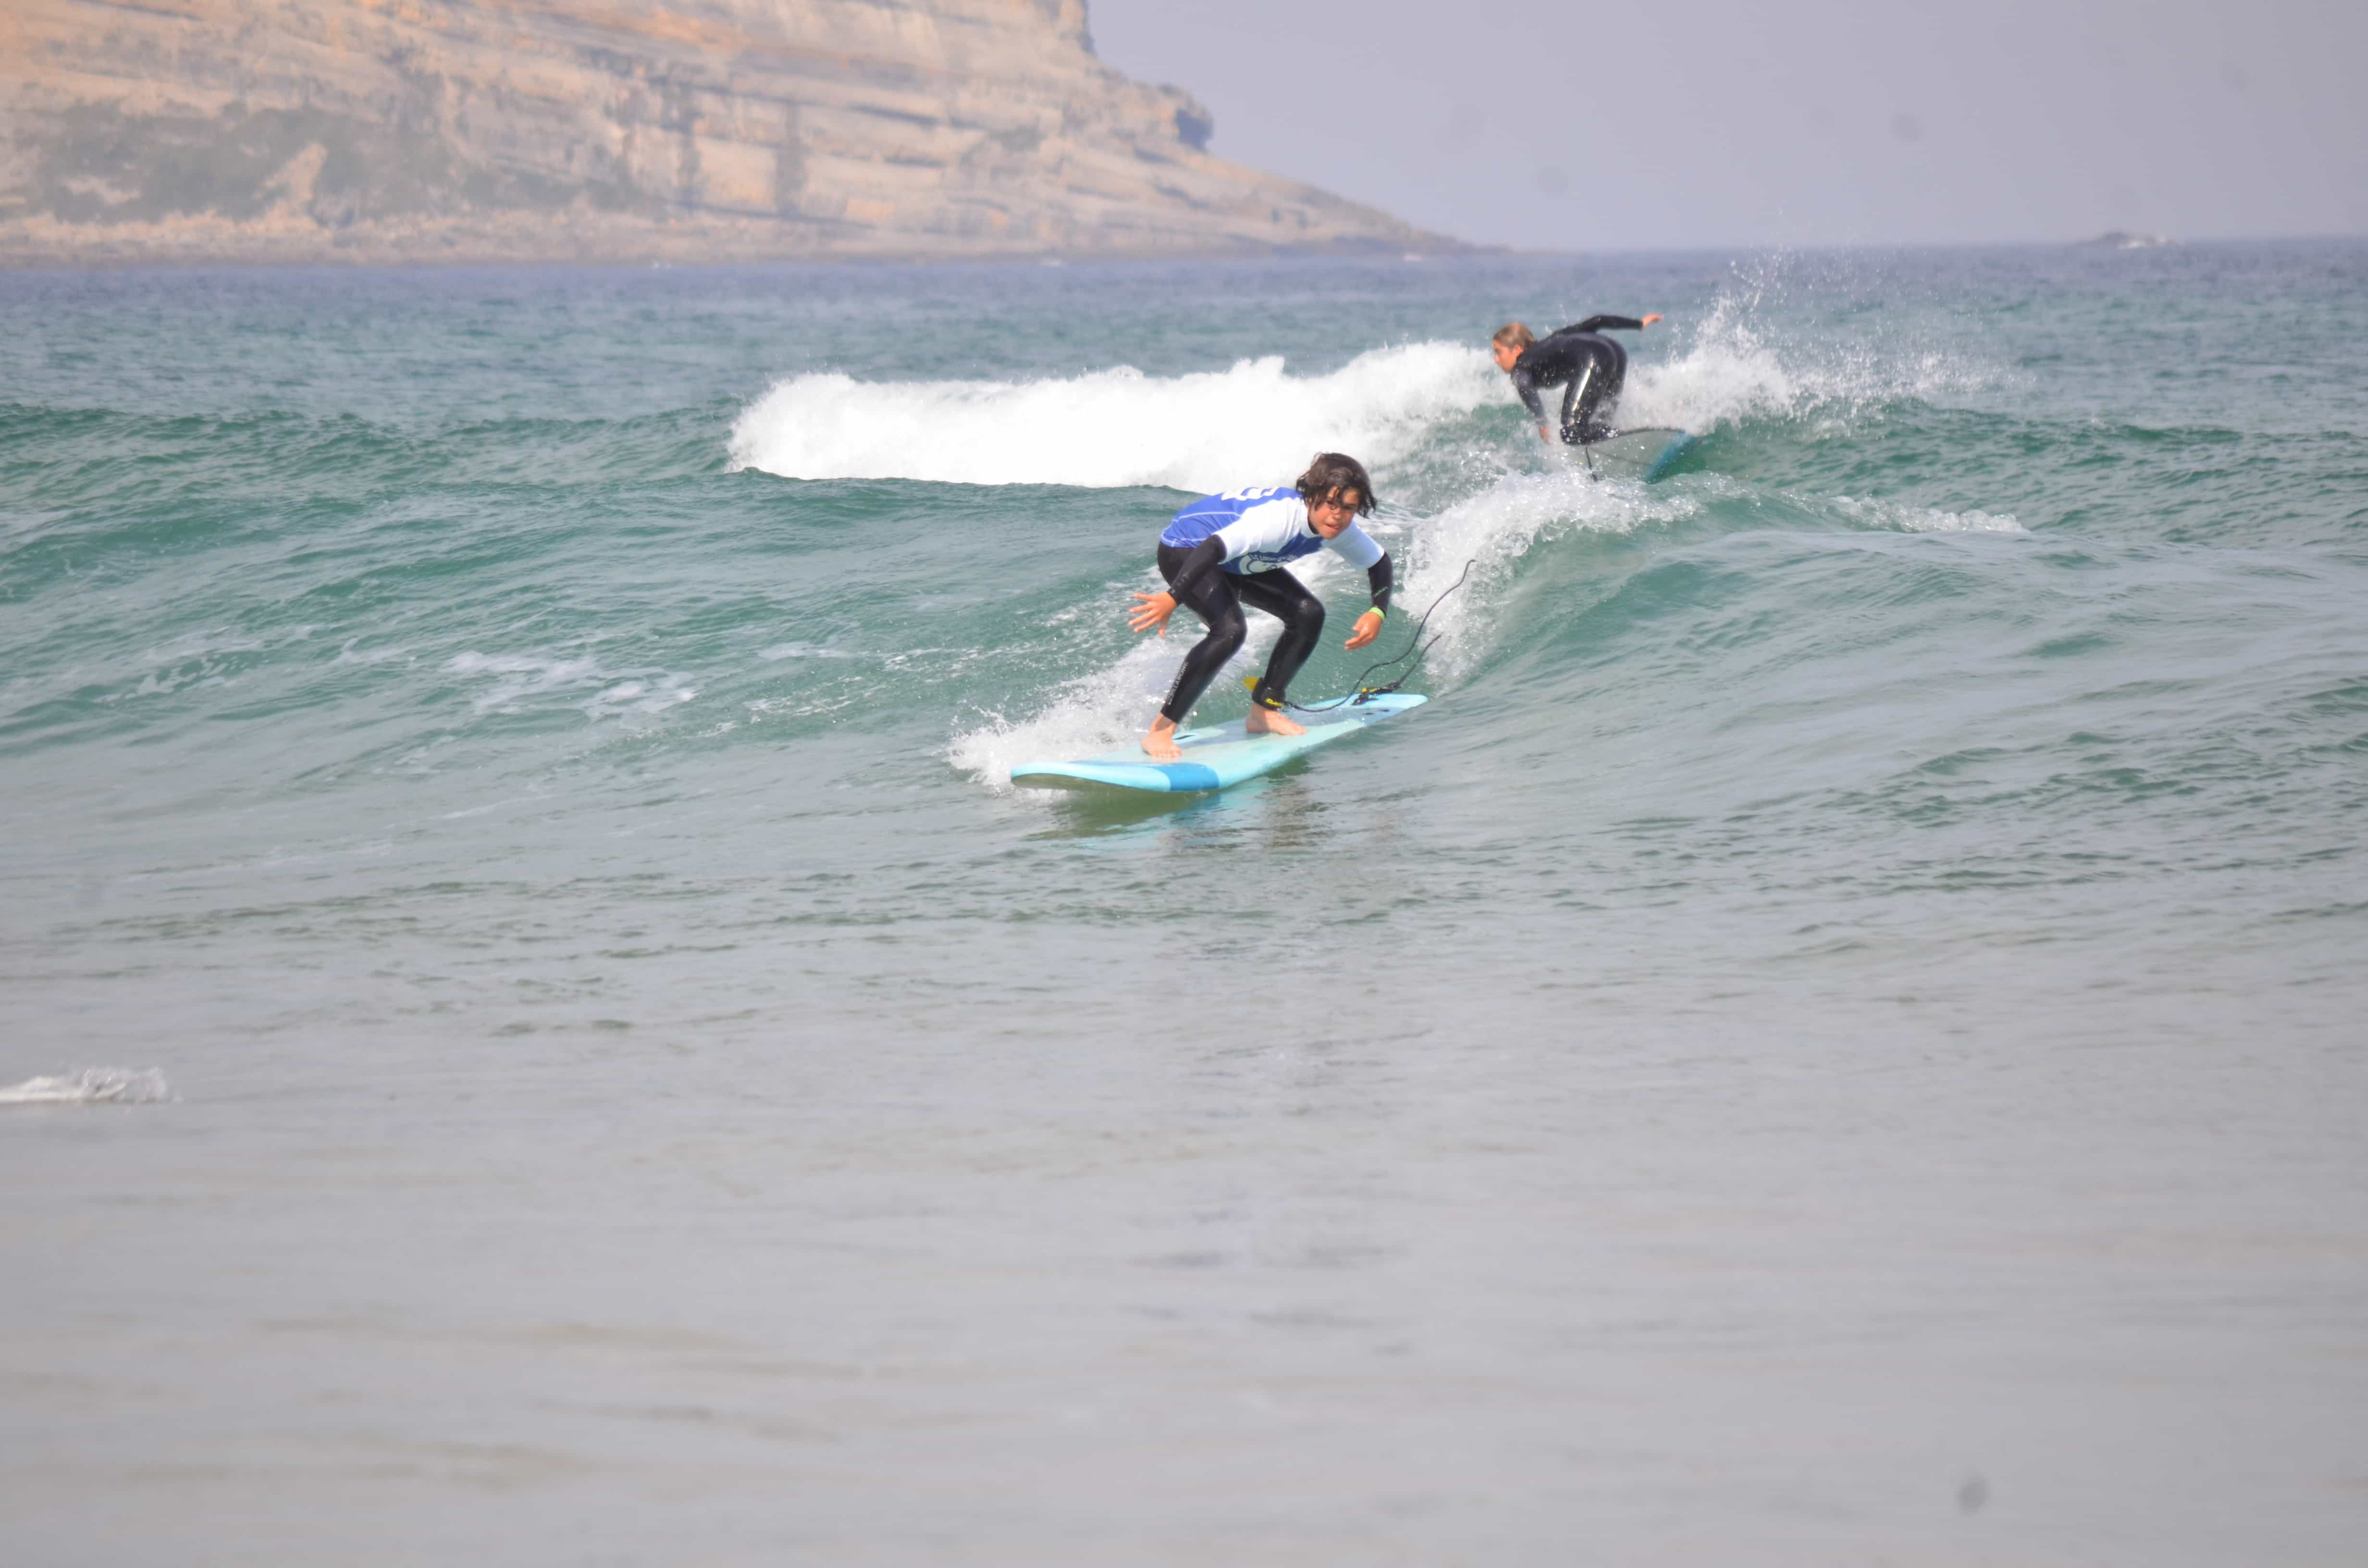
[(1111, 428)]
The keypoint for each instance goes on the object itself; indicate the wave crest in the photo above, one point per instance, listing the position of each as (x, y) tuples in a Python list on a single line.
[(1113, 428)]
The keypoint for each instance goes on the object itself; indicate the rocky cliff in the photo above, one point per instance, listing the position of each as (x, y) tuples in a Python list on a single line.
[(386, 131)]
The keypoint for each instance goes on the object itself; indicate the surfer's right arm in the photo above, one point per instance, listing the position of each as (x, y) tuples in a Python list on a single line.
[(1153, 609), (1207, 556)]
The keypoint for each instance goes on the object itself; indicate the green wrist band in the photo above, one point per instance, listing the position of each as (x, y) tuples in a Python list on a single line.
[(1376, 610)]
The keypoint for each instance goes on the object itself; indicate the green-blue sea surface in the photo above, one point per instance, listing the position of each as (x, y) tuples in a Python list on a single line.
[(1835, 1033)]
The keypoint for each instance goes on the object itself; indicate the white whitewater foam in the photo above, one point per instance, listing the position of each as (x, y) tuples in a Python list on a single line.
[(1252, 424), (1725, 374), (1492, 530), (1101, 710), (91, 1085), (1925, 519), (1730, 372)]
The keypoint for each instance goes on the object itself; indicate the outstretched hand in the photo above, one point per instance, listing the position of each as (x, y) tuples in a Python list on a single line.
[(1368, 627), (1150, 611), (1651, 319)]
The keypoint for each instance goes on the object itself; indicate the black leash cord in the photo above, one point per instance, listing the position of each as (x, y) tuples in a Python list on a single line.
[(1415, 649)]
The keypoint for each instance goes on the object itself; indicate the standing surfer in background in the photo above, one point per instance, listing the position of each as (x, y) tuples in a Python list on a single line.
[(1224, 550), (1588, 365)]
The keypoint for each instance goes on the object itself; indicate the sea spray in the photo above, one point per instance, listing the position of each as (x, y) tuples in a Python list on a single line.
[(1735, 364)]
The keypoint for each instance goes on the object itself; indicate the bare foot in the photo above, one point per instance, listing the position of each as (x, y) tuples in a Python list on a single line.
[(1160, 745), (1267, 721)]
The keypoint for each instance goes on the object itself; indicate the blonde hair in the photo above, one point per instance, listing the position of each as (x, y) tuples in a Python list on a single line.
[(1513, 335)]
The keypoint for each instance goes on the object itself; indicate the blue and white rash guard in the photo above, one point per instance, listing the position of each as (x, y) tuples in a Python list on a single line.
[(1248, 532), (1260, 529)]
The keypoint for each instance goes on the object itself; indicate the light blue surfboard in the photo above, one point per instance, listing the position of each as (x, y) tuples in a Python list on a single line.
[(1645, 453), (1215, 756)]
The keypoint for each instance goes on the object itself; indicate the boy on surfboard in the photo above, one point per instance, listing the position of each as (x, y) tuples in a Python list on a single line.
[(1224, 551), (1588, 365)]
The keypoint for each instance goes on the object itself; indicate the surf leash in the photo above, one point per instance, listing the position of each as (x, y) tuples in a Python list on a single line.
[(1585, 447), (1415, 649)]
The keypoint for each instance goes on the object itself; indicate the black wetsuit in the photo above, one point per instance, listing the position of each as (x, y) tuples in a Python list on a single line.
[(1200, 583), (1588, 367)]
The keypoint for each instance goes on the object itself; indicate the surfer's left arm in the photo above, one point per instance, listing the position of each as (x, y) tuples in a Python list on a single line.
[(1361, 550), (1616, 323)]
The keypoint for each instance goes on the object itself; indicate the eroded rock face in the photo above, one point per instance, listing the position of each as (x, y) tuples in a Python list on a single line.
[(684, 129)]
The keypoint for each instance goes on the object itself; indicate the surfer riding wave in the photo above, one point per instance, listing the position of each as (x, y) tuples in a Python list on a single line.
[(1224, 550), (1588, 366)]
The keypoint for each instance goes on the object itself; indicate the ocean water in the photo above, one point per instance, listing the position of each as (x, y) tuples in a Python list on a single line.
[(542, 1032)]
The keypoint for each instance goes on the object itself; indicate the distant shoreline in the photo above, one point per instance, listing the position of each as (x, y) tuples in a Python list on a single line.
[(21, 253), (28, 261)]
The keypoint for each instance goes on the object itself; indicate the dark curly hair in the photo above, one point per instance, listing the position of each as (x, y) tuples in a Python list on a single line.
[(1332, 472)]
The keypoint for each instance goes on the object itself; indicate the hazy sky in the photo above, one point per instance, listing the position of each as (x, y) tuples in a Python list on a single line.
[(1620, 125)]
